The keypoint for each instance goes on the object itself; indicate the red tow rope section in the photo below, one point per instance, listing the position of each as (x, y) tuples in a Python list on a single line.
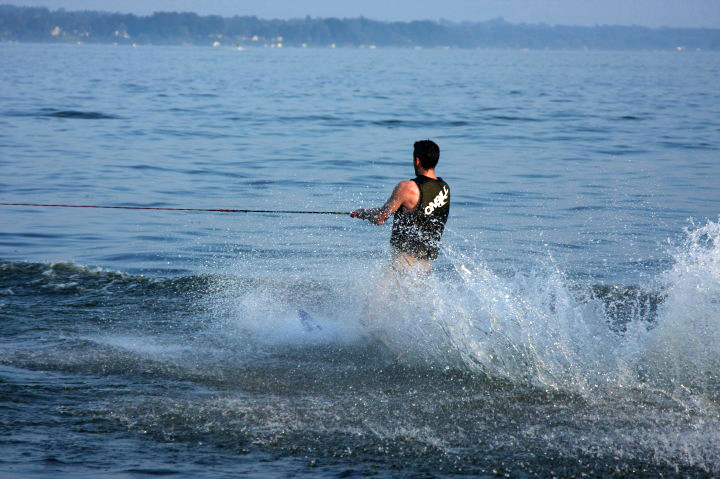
[(214, 210)]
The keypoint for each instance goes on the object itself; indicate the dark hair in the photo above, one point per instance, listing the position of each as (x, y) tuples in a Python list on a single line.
[(428, 152)]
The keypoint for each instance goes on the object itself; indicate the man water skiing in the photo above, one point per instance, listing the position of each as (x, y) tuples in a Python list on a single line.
[(421, 207)]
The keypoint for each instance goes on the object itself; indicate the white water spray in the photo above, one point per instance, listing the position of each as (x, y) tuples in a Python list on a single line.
[(532, 327), (538, 328), (683, 351)]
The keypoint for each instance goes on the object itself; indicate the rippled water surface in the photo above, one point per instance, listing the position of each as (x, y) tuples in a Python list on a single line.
[(570, 326)]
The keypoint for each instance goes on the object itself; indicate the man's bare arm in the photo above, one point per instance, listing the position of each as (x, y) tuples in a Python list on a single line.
[(406, 193)]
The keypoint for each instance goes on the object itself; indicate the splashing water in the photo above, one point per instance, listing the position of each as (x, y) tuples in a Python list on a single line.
[(538, 328), (533, 327), (683, 351), (631, 369), (610, 375)]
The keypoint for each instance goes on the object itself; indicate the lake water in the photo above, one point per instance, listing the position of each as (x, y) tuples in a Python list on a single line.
[(570, 326)]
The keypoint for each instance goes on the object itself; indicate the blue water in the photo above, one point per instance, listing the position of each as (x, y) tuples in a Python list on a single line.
[(574, 308)]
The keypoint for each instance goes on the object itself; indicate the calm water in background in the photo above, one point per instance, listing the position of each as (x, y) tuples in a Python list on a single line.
[(585, 206)]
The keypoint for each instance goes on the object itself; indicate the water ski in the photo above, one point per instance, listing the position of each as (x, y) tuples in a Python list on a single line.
[(309, 323)]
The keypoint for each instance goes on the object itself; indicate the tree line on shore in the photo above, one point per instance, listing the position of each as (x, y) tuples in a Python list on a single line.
[(37, 24)]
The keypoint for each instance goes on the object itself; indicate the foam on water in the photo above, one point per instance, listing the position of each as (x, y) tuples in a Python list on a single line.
[(536, 327), (643, 361), (267, 312), (530, 328), (683, 351)]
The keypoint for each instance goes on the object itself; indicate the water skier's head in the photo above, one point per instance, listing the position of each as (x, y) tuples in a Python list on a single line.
[(427, 152)]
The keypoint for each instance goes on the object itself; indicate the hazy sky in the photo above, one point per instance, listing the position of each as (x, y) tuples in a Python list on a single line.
[(653, 13)]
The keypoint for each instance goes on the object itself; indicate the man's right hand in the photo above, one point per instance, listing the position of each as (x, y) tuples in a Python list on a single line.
[(360, 213)]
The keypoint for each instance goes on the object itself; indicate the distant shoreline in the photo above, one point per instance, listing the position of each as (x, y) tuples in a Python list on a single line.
[(42, 25), (359, 48)]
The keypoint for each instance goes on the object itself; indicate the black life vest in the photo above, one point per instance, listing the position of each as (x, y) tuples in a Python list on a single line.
[(417, 232)]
